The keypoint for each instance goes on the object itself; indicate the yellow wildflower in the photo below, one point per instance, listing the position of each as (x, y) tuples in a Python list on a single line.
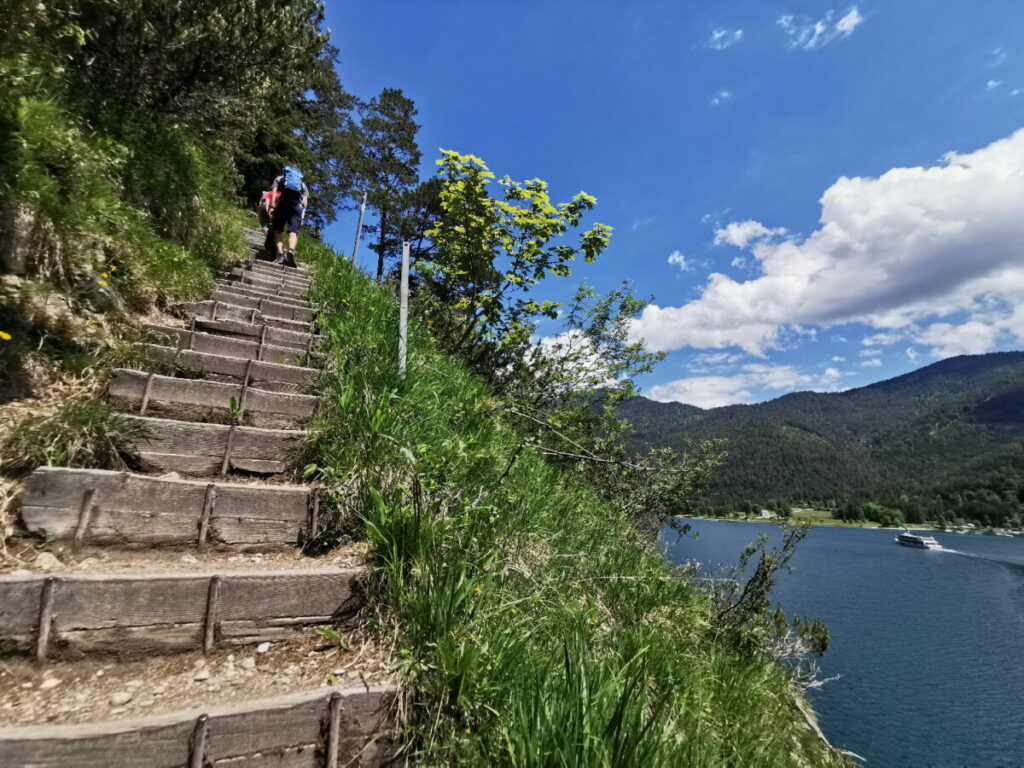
[(104, 275), (5, 336), (113, 267), (514, 611), (478, 590), (102, 282), (469, 730)]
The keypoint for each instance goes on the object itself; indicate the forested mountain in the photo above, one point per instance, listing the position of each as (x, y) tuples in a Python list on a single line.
[(949, 437)]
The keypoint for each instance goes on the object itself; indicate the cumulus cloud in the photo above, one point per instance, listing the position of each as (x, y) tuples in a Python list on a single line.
[(724, 38), (677, 258), (873, 362), (870, 352), (971, 338), (716, 391), (742, 233), (721, 97), (913, 244), (838, 359), (808, 34)]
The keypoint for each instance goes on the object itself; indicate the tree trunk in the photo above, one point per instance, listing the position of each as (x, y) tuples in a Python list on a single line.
[(381, 239)]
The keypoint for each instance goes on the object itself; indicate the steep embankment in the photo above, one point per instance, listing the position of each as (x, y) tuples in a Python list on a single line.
[(949, 422), (535, 626)]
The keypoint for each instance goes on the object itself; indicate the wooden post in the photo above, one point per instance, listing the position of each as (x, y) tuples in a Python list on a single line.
[(192, 333), (197, 744), (314, 512), (84, 515), (263, 341), (45, 617), (333, 730), (209, 503), (403, 312), (227, 451), (213, 311), (212, 607), (359, 228), (145, 394)]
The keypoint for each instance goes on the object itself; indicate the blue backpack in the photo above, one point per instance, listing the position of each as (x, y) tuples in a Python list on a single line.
[(292, 179)]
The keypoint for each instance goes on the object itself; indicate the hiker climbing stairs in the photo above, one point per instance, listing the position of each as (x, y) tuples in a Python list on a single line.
[(177, 626)]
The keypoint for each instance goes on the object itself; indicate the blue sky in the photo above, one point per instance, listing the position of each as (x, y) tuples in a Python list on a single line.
[(777, 173)]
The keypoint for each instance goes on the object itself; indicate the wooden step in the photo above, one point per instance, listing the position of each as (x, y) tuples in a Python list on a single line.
[(97, 506), (271, 267), (328, 727), (130, 614), (214, 344), (198, 399), (216, 309), (209, 450), (277, 278), (268, 376), (271, 286), (261, 293), (265, 307), (278, 337)]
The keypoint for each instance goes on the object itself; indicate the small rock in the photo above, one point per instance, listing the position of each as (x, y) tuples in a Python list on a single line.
[(121, 698), (202, 674), (28, 685), (337, 672), (131, 685), (99, 673), (117, 711), (262, 647), (199, 663), (170, 476), (48, 683), (160, 690), (231, 658), (249, 663), (46, 561), (212, 687), (147, 702), (188, 559)]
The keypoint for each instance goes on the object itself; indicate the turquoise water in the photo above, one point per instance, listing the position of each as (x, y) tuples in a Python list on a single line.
[(929, 644)]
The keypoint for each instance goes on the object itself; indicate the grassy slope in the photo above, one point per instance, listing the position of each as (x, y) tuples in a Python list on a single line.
[(533, 627)]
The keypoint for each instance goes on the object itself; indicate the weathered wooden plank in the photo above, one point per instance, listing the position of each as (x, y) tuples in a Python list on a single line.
[(215, 309), (279, 337), (194, 397), (135, 613), (267, 307), (133, 508), (226, 346), (281, 731), (272, 286), (198, 449), (289, 279), (262, 375), (260, 293)]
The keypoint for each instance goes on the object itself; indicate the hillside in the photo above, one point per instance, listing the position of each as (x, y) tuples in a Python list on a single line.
[(948, 424)]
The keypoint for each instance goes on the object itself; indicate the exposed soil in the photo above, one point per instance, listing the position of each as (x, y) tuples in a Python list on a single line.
[(91, 690), (25, 557)]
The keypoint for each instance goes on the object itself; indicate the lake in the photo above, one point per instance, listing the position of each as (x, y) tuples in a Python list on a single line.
[(929, 643)]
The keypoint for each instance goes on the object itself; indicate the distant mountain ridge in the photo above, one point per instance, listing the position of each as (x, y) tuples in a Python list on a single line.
[(953, 420)]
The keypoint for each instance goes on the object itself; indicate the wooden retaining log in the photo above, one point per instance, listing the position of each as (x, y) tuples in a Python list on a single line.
[(127, 508), (212, 344), (266, 307), (130, 614), (269, 376), (191, 448), (198, 398), (278, 337), (219, 309), (292, 731), (260, 293)]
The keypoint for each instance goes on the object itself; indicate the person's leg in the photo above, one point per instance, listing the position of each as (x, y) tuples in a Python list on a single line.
[(293, 240), (279, 241)]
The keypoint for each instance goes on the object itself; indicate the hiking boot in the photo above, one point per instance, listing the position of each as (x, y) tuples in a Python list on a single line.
[(289, 258)]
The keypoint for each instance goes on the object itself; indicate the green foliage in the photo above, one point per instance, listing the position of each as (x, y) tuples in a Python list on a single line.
[(534, 624), (80, 433)]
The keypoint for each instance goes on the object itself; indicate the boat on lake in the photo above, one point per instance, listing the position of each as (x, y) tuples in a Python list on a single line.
[(908, 539)]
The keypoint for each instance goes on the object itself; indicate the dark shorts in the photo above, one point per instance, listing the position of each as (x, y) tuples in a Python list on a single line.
[(287, 215)]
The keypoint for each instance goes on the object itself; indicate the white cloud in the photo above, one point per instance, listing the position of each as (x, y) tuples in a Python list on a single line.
[(717, 358), (997, 57), (838, 359), (642, 223), (721, 97), (742, 233), (874, 362), (971, 338), (724, 38), (807, 34), (677, 258), (912, 244), (739, 262), (993, 84), (870, 352), (882, 339), (1017, 91), (912, 353), (716, 391)]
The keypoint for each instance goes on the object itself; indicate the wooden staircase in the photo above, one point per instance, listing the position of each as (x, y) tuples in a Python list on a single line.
[(214, 444)]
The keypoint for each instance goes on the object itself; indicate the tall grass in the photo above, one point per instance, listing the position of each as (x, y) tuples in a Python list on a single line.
[(534, 626)]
